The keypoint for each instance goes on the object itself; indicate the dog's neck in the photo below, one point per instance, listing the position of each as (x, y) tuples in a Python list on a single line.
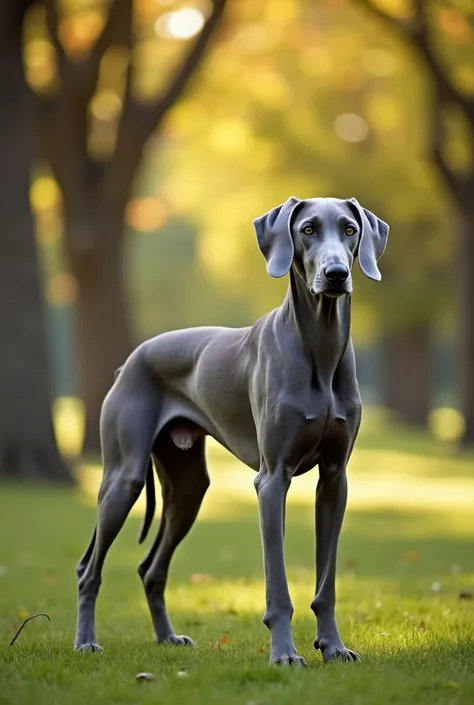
[(323, 326)]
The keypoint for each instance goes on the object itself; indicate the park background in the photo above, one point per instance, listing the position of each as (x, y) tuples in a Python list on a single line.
[(139, 140)]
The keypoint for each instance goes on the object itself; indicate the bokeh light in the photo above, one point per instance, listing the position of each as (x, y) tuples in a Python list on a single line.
[(61, 290), (182, 24), (145, 214), (351, 127)]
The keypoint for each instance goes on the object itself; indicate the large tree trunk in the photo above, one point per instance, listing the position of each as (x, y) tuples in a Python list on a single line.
[(103, 335), (27, 442), (465, 274), (407, 373), (96, 192)]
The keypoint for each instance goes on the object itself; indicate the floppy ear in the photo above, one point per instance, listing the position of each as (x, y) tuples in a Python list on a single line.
[(274, 237), (373, 240)]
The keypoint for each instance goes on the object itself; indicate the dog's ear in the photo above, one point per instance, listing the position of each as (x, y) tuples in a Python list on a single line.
[(373, 240), (274, 237)]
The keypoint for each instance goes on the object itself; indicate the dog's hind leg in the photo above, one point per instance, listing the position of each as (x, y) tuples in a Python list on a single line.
[(127, 439), (184, 480)]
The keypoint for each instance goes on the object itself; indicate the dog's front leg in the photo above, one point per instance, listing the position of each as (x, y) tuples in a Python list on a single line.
[(331, 500), (272, 488)]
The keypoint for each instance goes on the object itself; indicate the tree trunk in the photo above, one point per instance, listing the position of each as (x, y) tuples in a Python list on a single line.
[(103, 335), (407, 373), (27, 443), (465, 274)]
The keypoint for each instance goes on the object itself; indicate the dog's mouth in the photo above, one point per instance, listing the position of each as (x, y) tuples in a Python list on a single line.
[(336, 294), (331, 292)]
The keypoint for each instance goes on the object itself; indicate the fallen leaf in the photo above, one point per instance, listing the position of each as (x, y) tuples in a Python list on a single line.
[(412, 557), (144, 676), (260, 651), (51, 577), (224, 639), (422, 626), (200, 578), (466, 595), (453, 684), (182, 674)]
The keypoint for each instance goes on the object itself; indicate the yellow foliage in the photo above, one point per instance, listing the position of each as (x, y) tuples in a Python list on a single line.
[(383, 111), (44, 194), (464, 76), (269, 88), (282, 11), (113, 66), (379, 62), (188, 117), (79, 32), (61, 290), (230, 136), (69, 424), (265, 155), (402, 9), (455, 24), (146, 10), (40, 64), (106, 106), (315, 60), (145, 214), (220, 254), (446, 424)]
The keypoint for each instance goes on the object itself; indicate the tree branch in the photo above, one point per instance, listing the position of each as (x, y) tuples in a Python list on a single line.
[(139, 120), (116, 30), (452, 180), (52, 23), (82, 76), (417, 33), (154, 112)]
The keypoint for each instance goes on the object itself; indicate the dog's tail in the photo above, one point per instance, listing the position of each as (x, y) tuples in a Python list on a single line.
[(150, 502)]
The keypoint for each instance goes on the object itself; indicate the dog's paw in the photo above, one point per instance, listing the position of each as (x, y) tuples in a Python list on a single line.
[(176, 640), (88, 648), (286, 659), (335, 652)]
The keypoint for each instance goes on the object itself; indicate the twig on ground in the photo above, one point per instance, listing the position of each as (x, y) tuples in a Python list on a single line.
[(33, 616)]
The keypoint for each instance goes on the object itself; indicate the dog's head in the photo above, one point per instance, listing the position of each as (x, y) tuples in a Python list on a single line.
[(320, 238)]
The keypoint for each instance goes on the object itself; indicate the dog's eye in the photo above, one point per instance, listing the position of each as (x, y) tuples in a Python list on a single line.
[(350, 230), (308, 230)]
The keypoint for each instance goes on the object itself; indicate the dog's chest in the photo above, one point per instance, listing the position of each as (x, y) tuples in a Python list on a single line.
[(326, 427)]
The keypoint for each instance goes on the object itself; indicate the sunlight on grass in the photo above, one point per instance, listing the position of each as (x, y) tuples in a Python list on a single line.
[(377, 479), (69, 424)]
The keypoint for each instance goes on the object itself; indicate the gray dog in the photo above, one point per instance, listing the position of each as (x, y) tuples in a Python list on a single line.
[(282, 396)]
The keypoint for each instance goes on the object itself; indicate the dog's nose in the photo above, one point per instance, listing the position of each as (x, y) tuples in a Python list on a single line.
[(336, 273)]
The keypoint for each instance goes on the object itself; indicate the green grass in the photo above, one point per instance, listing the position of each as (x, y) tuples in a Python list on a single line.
[(417, 643)]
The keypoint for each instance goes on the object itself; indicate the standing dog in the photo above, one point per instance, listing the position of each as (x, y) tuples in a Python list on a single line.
[(282, 396)]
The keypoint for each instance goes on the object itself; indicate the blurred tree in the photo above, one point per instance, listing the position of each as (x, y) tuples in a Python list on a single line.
[(441, 34), (92, 136), (27, 443)]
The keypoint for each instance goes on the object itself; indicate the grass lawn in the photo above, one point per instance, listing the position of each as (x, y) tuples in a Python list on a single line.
[(407, 552)]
